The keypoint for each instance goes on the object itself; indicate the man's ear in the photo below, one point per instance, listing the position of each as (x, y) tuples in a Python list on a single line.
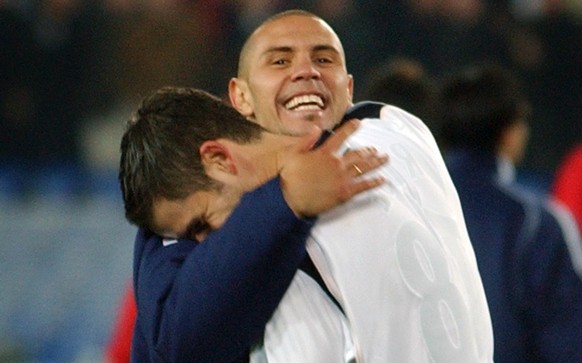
[(239, 95), (351, 88), (217, 160), (513, 140)]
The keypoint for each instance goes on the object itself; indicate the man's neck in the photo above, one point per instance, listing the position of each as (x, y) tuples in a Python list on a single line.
[(261, 161)]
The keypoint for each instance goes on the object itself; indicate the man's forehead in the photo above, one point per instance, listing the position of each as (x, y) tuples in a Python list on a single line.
[(290, 22), (292, 31)]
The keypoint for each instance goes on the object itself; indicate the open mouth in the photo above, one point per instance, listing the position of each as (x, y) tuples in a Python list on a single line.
[(305, 102)]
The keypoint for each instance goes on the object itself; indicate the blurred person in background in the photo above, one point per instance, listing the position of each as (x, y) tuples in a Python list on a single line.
[(405, 83), (523, 243)]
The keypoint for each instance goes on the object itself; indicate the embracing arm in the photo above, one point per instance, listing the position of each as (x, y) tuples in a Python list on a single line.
[(214, 304)]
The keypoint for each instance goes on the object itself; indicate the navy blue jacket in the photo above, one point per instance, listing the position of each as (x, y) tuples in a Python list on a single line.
[(534, 294), (210, 302)]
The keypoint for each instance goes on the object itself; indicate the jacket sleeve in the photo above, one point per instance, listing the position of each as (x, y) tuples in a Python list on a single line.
[(553, 300), (209, 302)]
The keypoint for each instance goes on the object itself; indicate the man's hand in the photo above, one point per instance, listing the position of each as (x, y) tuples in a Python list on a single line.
[(314, 181)]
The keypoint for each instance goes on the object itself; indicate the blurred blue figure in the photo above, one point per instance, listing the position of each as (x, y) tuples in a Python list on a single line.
[(523, 244)]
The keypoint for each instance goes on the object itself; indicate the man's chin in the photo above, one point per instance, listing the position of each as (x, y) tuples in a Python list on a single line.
[(296, 127), (317, 118)]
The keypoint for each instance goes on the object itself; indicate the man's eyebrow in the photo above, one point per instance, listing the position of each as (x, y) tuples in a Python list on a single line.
[(288, 49), (279, 49), (325, 47)]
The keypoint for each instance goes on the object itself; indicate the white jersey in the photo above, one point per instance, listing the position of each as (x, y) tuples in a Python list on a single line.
[(306, 327), (399, 260)]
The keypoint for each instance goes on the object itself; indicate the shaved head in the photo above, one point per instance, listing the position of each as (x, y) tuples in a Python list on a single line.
[(250, 44)]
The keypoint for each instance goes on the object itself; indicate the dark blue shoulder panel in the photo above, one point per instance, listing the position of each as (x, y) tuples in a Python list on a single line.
[(364, 109)]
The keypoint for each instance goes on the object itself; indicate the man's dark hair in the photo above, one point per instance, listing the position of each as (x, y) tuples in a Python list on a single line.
[(478, 104), (405, 83), (160, 155)]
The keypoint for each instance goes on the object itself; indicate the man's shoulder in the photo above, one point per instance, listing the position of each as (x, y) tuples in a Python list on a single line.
[(546, 217), (373, 109), (386, 115), (364, 109), (391, 125)]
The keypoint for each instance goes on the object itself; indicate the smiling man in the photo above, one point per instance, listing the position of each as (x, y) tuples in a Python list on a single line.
[(292, 73)]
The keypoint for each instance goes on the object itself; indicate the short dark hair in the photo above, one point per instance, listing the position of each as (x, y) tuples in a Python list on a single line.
[(160, 148), (405, 83), (478, 103)]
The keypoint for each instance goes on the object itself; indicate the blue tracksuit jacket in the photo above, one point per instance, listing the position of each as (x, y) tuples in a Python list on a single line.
[(533, 292)]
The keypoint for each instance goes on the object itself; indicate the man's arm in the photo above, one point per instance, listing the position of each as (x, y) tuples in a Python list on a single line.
[(212, 305)]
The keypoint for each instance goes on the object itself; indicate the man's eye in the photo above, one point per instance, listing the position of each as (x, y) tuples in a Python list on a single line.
[(198, 229), (280, 61), (324, 60)]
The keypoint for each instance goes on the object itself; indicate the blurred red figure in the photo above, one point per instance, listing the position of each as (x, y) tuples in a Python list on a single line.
[(118, 349), (567, 187)]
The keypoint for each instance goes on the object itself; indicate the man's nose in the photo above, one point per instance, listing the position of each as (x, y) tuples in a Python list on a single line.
[(305, 69)]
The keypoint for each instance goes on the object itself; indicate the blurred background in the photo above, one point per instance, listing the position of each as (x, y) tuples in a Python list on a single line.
[(71, 71)]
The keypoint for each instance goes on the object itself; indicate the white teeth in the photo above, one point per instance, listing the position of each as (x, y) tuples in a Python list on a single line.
[(307, 107), (306, 102)]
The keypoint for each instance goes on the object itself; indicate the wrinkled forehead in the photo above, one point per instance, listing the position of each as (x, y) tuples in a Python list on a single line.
[(296, 32)]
